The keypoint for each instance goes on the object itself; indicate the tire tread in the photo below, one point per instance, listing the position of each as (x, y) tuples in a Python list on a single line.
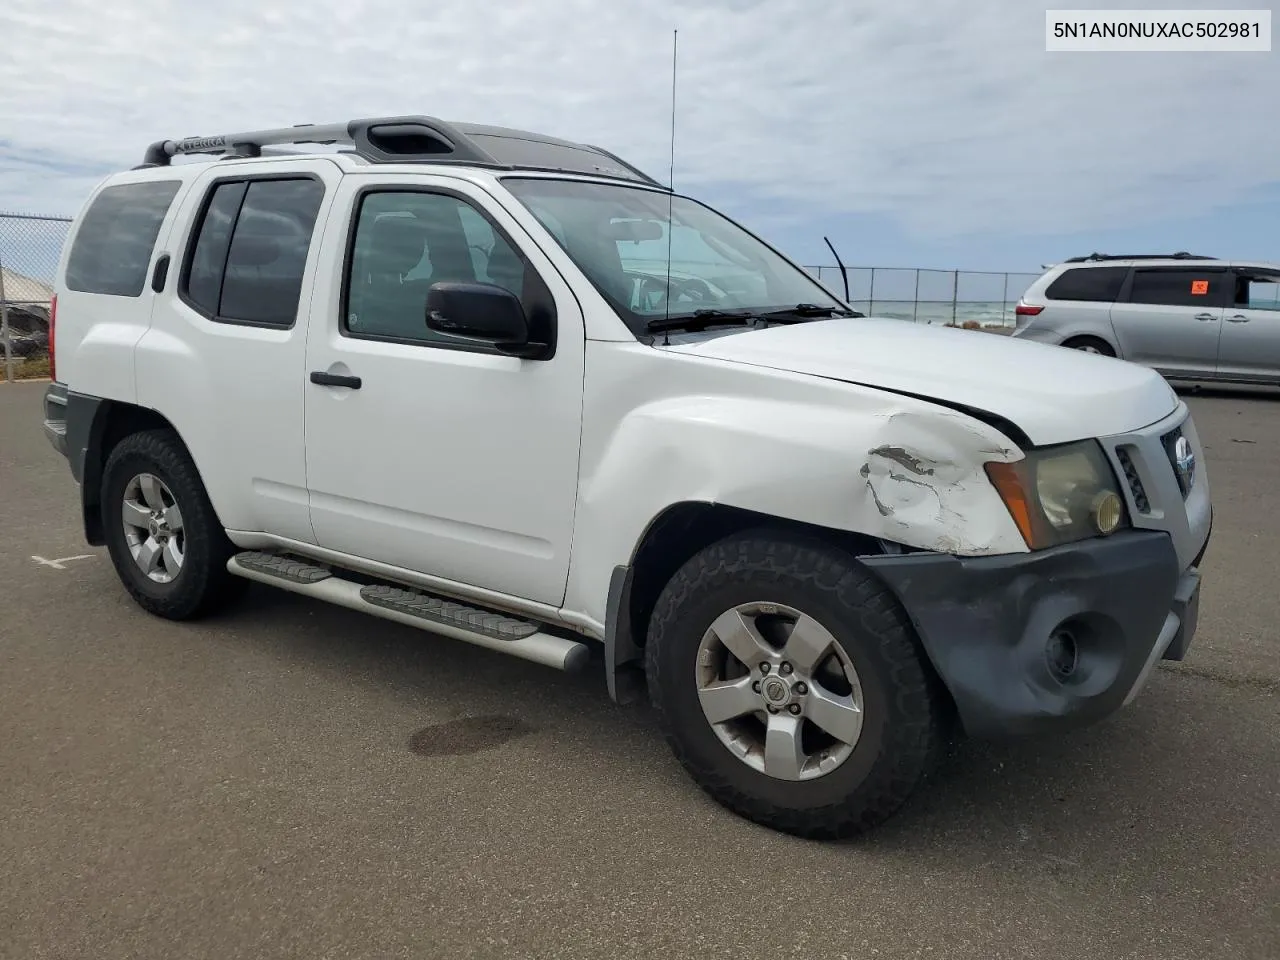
[(208, 584)]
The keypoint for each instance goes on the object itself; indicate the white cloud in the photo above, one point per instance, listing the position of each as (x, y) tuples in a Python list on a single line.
[(947, 116)]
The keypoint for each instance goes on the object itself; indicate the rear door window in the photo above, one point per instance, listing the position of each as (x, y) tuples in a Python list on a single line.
[(117, 235), (209, 259), (1179, 286), (1097, 284), (250, 250)]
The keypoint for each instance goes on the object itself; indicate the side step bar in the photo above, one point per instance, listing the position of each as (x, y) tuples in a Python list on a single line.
[(484, 628)]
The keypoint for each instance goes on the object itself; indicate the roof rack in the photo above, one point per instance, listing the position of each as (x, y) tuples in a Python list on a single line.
[(416, 139), (1180, 255)]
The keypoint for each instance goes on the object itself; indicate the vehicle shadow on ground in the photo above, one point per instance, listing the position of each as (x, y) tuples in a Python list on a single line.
[(1051, 805)]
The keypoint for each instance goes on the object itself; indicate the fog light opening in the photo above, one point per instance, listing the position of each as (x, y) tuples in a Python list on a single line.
[(1107, 510), (1061, 654)]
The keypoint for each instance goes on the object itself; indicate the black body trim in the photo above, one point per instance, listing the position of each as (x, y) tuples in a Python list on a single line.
[(74, 428), (82, 414), (986, 625), (621, 653)]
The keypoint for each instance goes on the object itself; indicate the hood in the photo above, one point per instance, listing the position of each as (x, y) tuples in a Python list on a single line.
[(1053, 394)]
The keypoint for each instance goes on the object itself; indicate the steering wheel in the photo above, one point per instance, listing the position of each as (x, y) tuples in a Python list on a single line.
[(692, 289)]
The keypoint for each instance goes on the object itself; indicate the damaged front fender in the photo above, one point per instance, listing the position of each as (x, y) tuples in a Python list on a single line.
[(818, 452), (927, 483)]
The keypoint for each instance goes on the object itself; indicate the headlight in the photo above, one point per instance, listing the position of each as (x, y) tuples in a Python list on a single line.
[(1061, 494)]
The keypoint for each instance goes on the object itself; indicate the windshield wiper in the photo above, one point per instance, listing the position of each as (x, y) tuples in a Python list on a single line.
[(700, 319), (807, 311)]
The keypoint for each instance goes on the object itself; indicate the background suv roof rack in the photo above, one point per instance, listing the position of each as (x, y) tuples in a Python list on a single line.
[(1180, 255), (415, 139)]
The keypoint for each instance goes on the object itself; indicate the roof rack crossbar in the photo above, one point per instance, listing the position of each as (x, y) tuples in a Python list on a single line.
[(430, 136), (378, 140), (1180, 255)]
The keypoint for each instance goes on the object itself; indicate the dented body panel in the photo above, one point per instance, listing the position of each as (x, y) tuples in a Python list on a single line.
[(662, 428)]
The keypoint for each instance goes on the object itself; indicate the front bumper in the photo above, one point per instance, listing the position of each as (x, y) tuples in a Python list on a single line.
[(996, 628)]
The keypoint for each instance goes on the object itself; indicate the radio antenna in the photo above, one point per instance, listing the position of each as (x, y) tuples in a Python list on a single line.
[(843, 272), (671, 183)]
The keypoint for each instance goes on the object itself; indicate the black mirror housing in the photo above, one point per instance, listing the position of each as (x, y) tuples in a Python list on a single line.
[(481, 313)]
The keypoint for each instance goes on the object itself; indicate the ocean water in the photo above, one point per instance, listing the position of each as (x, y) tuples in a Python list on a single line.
[(985, 312)]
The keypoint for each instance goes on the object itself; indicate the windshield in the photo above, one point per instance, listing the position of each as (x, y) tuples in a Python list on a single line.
[(618, 236)]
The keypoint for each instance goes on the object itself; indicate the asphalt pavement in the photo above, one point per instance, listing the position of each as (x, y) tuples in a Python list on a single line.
[(296, 780)]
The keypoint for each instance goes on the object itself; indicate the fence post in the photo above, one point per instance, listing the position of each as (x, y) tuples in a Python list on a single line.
[(955, 292), (1004, 301), (871, 305), (915, 300), (4, 329)]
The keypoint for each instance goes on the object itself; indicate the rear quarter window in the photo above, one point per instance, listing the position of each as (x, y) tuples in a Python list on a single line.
[(113, 245), (1100, 284)]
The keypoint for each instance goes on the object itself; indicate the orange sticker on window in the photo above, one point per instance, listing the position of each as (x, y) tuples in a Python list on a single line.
[(1199, 288)]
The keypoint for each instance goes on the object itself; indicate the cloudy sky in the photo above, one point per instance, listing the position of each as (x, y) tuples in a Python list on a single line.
[(914, 133)]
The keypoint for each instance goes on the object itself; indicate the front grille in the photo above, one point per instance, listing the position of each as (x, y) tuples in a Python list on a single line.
[(1135, 482)]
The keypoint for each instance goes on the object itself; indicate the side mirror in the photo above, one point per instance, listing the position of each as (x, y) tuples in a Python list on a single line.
[(481, 314)]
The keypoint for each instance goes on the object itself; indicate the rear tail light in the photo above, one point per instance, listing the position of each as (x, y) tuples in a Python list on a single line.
[(53, 327), (1027, 310)]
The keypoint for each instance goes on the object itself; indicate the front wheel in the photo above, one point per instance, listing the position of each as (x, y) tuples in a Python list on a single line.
[(789, 685)]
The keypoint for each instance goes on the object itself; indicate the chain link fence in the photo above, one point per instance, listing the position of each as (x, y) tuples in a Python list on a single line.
[(974, 299), (30, 247)]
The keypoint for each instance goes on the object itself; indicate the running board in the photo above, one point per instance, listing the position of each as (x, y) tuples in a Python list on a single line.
[(484, 628)]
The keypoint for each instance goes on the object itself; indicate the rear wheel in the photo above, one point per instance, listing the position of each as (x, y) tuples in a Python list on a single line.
[(1090, 345), (789, 685), (166, 542)]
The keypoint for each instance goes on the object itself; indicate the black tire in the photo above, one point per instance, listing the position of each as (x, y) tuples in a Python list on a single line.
[(1091, 344), (904, 707), (202, 584)]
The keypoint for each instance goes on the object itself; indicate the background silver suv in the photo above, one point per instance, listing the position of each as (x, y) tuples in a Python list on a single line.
[(1189, 317)]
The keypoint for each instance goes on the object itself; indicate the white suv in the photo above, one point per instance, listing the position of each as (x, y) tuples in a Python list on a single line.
[(1192, 318), (442, 377)]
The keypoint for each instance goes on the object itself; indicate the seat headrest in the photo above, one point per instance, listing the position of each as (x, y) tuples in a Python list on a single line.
[(398, 244)]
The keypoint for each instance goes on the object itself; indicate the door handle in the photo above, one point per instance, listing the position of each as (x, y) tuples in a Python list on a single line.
[(1205, 316), (334, 380), (1238, 318)]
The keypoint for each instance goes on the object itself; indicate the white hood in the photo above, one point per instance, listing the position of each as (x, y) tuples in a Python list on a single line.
[(1053, 394)]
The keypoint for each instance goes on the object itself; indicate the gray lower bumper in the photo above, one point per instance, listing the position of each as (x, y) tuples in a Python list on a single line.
[(55, 416)]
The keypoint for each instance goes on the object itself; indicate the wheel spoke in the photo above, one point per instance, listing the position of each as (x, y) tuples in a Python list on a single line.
[(729, 699), (173, 517), (783, 755), (150, 487), (839, 716), (172, 558), (135, 514), (808, 644), (741, 637), (149, 555)]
